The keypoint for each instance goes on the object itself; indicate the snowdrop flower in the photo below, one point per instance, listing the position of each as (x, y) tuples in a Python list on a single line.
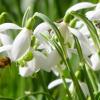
[(39, 62), (46, 62), (94, 14), (47, 30), (83, 86), (21, 43), (84, 42), (80, 6), (28, 69), (63, 28), (95, 60)]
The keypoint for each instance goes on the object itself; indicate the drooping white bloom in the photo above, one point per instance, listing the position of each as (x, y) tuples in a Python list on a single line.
[(21, 43), (94, 14), (83, 86), (46, 62), (82, 5), (28, 69), (63, 28), (40, 61), (84, 42), (95, 60)]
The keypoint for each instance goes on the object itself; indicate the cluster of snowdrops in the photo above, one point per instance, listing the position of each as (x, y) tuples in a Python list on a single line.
[(70, 45)]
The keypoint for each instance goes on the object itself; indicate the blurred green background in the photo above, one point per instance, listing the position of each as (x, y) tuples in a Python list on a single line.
[(11, 84)]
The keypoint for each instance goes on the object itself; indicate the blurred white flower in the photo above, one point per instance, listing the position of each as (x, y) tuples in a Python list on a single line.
[(80, 6), (86, 46), (94, 14)]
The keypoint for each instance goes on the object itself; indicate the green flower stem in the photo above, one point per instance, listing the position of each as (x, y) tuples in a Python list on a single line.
[(75, 81), (30, 23), (66, 87), (3, 17), (83, 66), (73, 22), (92, 77), (66, 17), (25, 17), (43, 82), (53, 26), (90, 87), (6, 98), (36, 93), (64, 83), (62, 52)]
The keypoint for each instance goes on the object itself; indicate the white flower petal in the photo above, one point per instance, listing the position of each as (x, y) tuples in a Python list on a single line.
[(40, 61), (80, 6), (7, 26), (53, 59), (85, 89), (41, 28), (21, 43), (63, 27), (83, 86), (98, 6), (84, 42), (57, 82), (5, 39), (95, 59), (93, 15), (28, 70), (5, 48)]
